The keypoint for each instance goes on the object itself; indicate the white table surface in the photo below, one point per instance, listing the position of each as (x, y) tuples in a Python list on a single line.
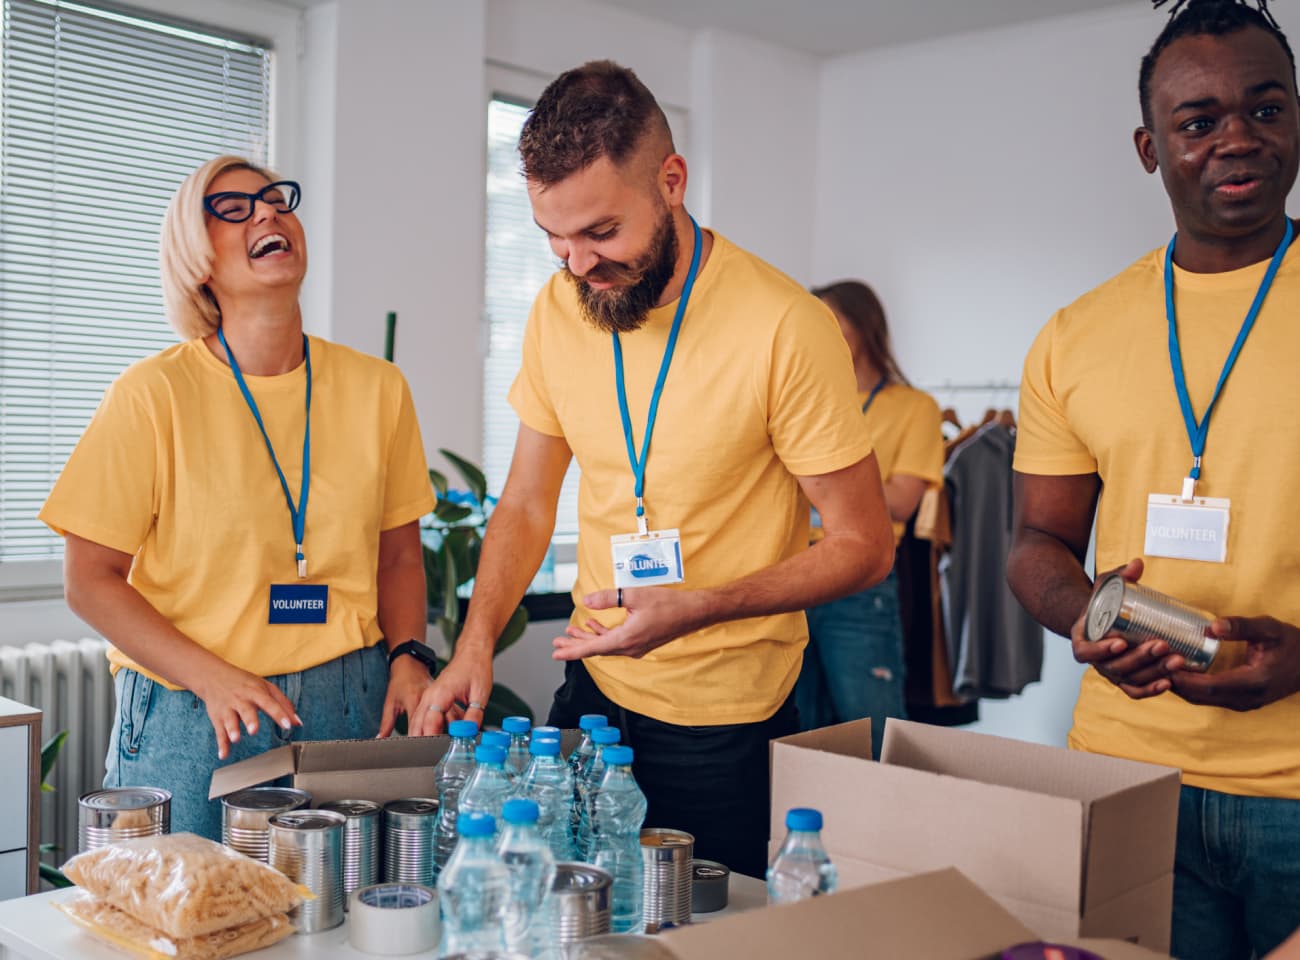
[(31, 929)]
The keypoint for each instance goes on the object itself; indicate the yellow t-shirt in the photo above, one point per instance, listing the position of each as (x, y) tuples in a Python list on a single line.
[(906, 430), (760, 391), (173, 470), (1098, 397)]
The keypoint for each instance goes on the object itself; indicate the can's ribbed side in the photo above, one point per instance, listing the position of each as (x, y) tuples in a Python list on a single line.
[(667, 877), (245, 815), (408, 840), (362, 843), (1140, 613), (122, 813), (579, 902), (307, 847)]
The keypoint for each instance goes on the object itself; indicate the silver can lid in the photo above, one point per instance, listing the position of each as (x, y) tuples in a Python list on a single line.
[(308, 820), (125, 798), (267, 798), (418, 806), (580, 878), (353, 809), (1104, 608), (658, 837)]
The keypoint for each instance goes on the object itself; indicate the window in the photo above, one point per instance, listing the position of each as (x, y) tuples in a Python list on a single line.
[(102, 114)]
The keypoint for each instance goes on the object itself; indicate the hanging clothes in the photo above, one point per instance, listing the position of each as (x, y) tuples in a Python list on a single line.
[(995, 647)]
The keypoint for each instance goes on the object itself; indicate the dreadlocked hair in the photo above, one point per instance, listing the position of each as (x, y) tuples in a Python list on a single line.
[(1197, 18)]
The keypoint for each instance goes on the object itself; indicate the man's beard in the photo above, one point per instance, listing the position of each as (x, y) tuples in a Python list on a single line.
[(639, 285)]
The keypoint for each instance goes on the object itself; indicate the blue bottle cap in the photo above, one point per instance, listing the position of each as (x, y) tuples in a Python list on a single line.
[(516, 724), (495, 738), (605, 736), (544, 747), (800, 818), (489, 754), (552, 733), (520, 810), (463, 728), (590, 721), (615, 756), (476, 825)]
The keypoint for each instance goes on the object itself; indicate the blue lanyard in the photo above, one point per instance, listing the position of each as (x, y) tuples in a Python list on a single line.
[(298, 513), (1197, 432), (638, 465), (866, 405)]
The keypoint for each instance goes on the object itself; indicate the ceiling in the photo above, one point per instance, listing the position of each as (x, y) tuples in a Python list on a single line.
[(827, 28)]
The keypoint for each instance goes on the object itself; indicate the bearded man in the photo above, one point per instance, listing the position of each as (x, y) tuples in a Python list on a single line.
[(709, 400)]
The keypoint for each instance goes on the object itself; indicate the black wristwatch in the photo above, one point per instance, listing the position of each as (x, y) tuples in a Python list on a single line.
[(418, 650)]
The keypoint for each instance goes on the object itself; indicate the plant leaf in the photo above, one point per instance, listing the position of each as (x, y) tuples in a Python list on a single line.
[(439, 482), (514, 629), (50, 753), (53, 877), (471, 474), (450, 513), (503, 703), (450, 601), (432, 577), (458, 543)]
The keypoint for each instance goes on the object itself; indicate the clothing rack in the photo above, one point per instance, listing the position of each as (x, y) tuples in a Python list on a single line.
[(991, 386)]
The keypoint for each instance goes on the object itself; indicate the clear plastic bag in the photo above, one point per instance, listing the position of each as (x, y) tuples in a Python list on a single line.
[(119, 929), (182, 884)]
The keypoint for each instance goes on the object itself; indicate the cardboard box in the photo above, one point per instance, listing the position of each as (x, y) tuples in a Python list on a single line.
[(1072, 844), (378, 770), (935, 916)]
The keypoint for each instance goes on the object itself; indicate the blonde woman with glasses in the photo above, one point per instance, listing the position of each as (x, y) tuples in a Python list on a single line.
[(241, 514)]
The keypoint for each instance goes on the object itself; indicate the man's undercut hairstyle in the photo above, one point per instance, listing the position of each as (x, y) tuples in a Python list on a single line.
[(1199, 18), (599, 109)]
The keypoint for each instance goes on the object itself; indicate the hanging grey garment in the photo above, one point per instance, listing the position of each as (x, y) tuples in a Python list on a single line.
[(995, 647)]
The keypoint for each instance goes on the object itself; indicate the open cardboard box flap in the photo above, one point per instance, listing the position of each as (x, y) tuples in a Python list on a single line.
[(938, 916)]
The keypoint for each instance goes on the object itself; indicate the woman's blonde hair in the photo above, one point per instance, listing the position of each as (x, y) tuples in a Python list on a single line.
[(185, 252)]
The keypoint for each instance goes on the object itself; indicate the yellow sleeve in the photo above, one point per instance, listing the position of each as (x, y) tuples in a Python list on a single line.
[(108, 492), (1046, 444), (813, 415), (408, 494), (528, 394), (920, 448)]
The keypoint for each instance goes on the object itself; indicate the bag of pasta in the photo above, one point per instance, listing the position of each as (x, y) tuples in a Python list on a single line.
[(182, 884), (121, 930)]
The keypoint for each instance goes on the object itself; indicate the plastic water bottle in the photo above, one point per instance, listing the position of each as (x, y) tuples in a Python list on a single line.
[(474, 890), (620, 812), (577, 760), (498, 738), (801, 868), (546, 733), (527, 856), (455, 767), (548, 782), (517, 753), (490, 786), (602, 738)]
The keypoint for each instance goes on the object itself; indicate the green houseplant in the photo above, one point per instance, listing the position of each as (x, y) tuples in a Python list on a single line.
[(50, 753), (453, 541)]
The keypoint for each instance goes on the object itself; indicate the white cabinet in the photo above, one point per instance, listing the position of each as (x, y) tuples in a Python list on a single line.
[(20, 774)]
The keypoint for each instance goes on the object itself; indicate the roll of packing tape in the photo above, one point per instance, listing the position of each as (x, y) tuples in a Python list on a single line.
[(709, 883), (393, 919)]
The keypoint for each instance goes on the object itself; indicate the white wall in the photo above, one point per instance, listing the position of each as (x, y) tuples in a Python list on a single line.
[(979, 183)]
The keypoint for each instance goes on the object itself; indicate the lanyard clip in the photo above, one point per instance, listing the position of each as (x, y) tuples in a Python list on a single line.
[(302, 564), (641, 526), (1189, 488)]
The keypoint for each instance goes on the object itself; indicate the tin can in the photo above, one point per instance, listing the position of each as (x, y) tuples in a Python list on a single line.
[(245, 814), (408, 840), (710, 881), (1139, 614), (580, 895), (122, 813), (361, 843), (307, 847), (666, 872)]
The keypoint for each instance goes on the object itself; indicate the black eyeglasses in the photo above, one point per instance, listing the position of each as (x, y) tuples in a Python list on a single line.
[(235, 207)]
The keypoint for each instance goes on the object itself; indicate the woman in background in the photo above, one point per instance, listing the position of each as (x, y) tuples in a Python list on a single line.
[(241, 514), (853, 666)]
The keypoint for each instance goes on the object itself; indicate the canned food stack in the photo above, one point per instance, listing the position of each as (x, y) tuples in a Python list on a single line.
[(409, 826), (1139, 613), (361, 842), (579, 902), (245, 815), (307, 847), (666, 862), (122, 813)]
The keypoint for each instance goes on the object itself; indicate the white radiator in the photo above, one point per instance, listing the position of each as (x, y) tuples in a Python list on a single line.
[(70, 682)]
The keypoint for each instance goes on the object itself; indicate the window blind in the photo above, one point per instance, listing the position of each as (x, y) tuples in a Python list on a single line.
[(518, 263), (102, 113)]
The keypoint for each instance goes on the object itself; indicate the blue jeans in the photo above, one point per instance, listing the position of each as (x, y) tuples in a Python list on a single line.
[(163, 738), (853, 666), (1237, 875)]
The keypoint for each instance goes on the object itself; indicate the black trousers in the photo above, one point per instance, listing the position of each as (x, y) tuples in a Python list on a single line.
[(712, 782)]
